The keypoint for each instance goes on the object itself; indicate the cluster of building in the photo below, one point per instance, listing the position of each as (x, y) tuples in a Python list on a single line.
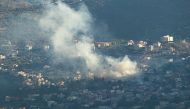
[(163, 83), (163, 88), (157, 62), (33, 80), (139, 44)]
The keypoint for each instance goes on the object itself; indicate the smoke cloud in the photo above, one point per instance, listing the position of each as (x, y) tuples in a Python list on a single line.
[(71, 35)]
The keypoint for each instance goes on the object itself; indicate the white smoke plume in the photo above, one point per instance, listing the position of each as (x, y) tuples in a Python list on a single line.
[(72, 39)]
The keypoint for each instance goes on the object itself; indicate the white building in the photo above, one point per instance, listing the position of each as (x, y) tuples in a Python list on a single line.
[(2, 57), (142, 44), (151, 47), (29, 47), (46, 47), (168, 38), (130, 42), (103, 44), (159, 44), (90, 75)]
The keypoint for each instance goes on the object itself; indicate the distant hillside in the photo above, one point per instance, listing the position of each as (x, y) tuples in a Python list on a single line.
[(14, 4)]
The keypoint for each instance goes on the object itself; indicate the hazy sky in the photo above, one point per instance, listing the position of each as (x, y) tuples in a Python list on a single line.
[(144, 18), (140, 19)]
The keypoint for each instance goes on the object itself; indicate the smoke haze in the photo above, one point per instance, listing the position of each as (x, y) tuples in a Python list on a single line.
[(72, 40), (71, 32)]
